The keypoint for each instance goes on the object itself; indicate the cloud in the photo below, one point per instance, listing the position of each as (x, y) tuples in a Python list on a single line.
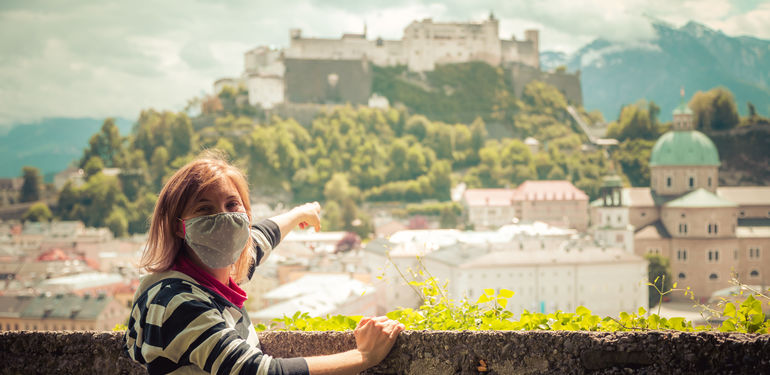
[(93, 58)]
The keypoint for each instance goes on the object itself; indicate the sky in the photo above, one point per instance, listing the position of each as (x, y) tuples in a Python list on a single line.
[(68, 58)]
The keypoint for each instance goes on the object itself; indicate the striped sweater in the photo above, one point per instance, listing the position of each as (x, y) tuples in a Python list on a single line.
[(178, 326)]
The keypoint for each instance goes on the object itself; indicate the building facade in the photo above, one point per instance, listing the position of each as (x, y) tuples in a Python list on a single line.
[(709, 233), (557, 203)]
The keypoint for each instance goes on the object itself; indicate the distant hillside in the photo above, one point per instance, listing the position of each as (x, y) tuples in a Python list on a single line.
[(50, 144), (693, 56)]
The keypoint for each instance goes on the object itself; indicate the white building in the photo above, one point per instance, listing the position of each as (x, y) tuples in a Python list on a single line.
[(395, 259), (318, 295), (606, 281)]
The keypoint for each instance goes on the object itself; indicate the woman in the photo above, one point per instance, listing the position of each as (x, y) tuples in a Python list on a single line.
[(188, 314)]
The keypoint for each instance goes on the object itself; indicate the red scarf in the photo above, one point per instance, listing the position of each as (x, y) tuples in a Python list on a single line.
[(230, 292)]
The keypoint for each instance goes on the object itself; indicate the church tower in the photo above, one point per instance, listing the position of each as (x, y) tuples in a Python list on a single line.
[(683, 159)]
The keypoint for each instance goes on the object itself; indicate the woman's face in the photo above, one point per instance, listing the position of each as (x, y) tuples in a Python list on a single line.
[(221, 196)]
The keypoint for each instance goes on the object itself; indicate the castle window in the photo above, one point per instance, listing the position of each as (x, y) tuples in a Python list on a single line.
[(683, 228), (713, 276), (668, 181), (681, 255), (709, 181), (754, 253), (692, 181), (754, 273), (682, 276)]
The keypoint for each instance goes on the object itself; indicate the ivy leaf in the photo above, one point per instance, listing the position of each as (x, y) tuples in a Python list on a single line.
[(729, 310), (502, 302), (583, 311), (483, 299), (489, 291), (505, 293)]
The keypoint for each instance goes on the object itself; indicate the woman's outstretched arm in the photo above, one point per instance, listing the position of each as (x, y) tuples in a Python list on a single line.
[(306, 215)]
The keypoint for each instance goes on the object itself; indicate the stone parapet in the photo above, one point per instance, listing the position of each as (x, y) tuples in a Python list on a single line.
[(434, 352)]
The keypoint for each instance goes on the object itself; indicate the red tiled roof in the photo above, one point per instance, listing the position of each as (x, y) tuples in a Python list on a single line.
[(548, 191), (488, 197)]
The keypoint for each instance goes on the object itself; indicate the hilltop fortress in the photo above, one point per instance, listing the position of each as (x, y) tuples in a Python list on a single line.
[(322, 70)]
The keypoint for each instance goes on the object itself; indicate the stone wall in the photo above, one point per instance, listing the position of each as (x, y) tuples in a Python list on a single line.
[(568, 84), (328, 81), (434, 352)]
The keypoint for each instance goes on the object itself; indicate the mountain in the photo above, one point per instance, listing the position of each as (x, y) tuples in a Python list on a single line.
[(693, 56), (50, 145)]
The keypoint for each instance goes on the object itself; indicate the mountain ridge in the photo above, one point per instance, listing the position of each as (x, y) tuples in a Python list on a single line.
[(692, 56)]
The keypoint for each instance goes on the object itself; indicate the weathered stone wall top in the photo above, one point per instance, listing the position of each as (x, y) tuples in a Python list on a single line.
[(434, 352)]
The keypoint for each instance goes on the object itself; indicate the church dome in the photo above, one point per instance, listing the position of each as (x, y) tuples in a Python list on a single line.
[(684, 148)]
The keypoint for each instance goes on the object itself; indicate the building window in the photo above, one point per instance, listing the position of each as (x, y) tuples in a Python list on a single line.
[(713, 256), (682, 276), (681, 255), (713, 228), (668, 181), (735, 254), (742, 213), (709, 181), (683, 228), (754, 253), (692, 181), (754, 273), (713, 276)]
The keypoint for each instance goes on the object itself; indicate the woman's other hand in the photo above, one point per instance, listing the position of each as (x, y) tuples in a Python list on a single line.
[(375, 337)]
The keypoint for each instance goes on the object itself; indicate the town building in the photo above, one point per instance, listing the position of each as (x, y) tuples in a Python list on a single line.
[(709, 232), (558, 203), (472, 260), (318, 295), (607, 281), (61, 312)]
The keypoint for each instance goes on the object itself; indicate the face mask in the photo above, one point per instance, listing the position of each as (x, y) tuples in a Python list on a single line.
[(218, 239)]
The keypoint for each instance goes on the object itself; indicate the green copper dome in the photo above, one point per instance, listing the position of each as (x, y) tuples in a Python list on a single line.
[(689, 147)]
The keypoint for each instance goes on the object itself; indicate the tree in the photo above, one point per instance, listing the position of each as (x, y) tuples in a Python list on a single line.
[(543, 97), (106, 145), (659, 274), (752, 109), (181, 137), (117, 223), (93, 166), (478, 134), (714, 109), (634, 157), (31, 187), (158, 165), (635, 122), (38, 212), (348, 242)]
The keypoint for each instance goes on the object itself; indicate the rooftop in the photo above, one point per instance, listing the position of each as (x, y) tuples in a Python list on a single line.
[(588, 255), (746, 195), (700, 198)]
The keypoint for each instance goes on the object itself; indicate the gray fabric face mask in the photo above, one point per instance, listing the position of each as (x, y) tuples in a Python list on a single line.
[(218, 239)]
